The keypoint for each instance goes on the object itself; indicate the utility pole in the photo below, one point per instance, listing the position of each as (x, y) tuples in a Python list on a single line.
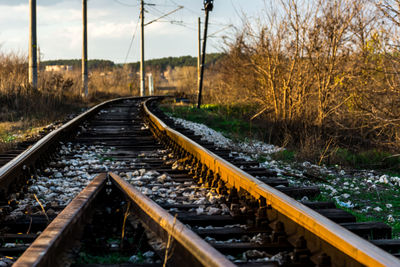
[(142, 72), (32, 45), (208, 6), (142, 24), (38, 59), (85, 79), (199, 51)]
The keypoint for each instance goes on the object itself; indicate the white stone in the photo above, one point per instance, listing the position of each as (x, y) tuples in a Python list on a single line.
[(377, 209), (390, 219)]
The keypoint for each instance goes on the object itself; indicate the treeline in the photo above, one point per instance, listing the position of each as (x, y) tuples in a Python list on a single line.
[(77, 63), (160, 63), (163, 63)]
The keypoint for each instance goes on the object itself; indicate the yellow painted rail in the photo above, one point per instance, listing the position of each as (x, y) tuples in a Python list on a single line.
[(345, 241)]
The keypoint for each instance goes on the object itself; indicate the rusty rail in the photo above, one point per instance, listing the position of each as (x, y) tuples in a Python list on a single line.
[(189, 248), (335, 236), (45, 250)]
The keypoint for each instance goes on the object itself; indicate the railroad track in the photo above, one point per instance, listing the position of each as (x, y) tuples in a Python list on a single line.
[(253, 222)]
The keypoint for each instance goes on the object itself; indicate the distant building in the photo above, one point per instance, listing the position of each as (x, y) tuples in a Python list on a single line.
[(58, 68)]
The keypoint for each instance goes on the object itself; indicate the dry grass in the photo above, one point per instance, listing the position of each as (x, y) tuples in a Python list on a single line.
[(23, 108), (13, 132), (321, 73)]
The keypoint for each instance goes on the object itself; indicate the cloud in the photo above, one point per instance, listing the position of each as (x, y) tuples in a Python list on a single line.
[(23, 2), (111, 25), (12, 16), (110, 29), (52, 16)]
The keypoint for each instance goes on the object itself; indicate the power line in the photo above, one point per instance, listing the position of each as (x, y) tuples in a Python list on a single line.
[(183, 24), (165, 15), (133, 37), (221, 24), (188, 9), (189, 25), (220, 30), (153, 11)]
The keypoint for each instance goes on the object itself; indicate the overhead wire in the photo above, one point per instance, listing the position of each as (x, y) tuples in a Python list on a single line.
[(188, 9), (151, 9), (133, 37), (154, 11), (187, 25)]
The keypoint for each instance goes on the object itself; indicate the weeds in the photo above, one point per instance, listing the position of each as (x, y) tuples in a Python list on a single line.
[(41, 206), (111, 258), (105, 158), (124, 223), (23, 107), (169, 246), (284, 155), (230, 120), (368, 159), (7, 138)]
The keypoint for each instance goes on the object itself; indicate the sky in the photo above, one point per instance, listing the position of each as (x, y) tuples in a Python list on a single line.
[(113, 24)]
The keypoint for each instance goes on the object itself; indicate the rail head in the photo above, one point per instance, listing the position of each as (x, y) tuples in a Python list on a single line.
[(57, 237), (345, 241), (43, 251), (196, 246)]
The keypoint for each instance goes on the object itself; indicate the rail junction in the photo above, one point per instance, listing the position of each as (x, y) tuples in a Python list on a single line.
[(123, 179)]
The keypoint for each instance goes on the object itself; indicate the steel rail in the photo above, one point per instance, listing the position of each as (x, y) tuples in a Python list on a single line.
[(10, 170), (161, 221), (340, 238), (188, 248), (44, 251)]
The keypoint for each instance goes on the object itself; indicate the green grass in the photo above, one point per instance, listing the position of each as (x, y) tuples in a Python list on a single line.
[(13, 132), (90, 257), (7, 138), (370, 159), (233, 121), (284, 155), (112, 258), (368, 196), (105, 158), (373, 158)]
